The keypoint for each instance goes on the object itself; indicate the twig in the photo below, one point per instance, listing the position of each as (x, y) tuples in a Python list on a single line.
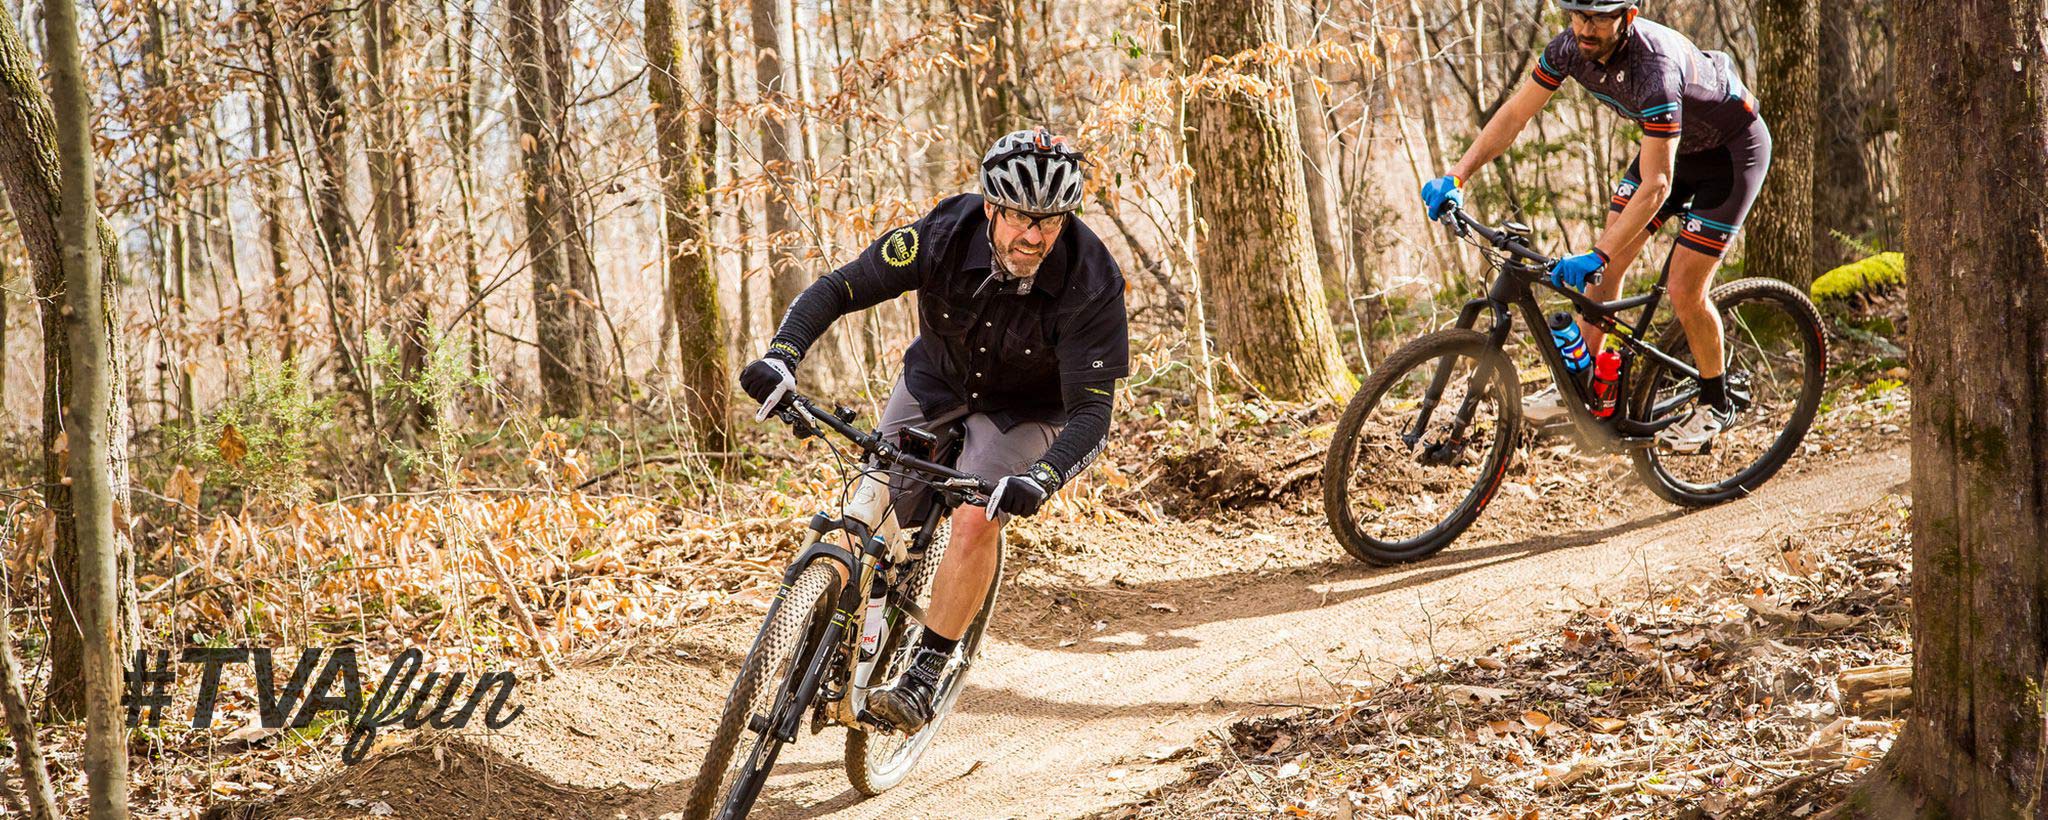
[(512, 596), (28, 755)]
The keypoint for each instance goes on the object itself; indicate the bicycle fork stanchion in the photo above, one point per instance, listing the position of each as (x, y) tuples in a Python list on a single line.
[(1497, 331)]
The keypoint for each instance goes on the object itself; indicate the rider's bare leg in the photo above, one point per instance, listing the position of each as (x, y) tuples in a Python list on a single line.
[(964, 573), (1691, 274)]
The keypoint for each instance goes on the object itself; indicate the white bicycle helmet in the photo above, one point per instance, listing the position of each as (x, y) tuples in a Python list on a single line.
[(1033, 171), (1596, 6)]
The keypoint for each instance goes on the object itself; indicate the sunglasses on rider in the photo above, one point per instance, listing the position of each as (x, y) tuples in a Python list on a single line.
[(1025, 221)]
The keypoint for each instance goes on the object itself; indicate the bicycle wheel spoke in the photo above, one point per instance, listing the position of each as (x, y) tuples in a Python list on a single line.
[(1416, 453), (1770, 348)]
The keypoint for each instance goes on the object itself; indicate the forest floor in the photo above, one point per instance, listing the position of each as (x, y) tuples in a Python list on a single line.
[(1127, 647)]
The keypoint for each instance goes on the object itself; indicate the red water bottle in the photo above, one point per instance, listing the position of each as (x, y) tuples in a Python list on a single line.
[(1606, 371)]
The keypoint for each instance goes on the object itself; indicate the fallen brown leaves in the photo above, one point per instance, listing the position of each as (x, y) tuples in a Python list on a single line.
[(1755, 696)]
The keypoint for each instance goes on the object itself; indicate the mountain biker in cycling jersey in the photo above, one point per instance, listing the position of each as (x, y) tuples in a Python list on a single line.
[(1703, 157), (1021, 335)]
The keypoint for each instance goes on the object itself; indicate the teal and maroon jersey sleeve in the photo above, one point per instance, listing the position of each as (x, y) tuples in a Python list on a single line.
[(1660, 89), (1556, 61)]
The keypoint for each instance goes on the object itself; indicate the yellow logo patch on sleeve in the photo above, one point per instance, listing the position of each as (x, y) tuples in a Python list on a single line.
[(899, 249)]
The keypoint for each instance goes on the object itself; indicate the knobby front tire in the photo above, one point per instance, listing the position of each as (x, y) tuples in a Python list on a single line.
[(1389, 501), (1776, 354), (735, 763)]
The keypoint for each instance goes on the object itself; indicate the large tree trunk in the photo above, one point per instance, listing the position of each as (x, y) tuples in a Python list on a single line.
[(1780, 242), (29, 168), (562, 313), (1973, 745), (90, 300), (686, 208), (1844, 190), (1258, 254)]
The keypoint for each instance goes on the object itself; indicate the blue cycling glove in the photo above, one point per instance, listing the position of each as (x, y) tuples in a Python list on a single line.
[(1442, 194), (1573, 271)]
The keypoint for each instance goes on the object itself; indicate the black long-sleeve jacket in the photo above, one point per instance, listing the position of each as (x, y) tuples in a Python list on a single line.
[(1049, 348)]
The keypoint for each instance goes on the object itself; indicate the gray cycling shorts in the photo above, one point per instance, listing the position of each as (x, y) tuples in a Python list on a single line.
[(988, 451)]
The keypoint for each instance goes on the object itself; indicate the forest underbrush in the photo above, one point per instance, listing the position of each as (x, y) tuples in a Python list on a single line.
[(536, 545)]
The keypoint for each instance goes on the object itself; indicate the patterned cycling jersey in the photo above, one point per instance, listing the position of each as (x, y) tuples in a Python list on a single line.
[(1661, 80)]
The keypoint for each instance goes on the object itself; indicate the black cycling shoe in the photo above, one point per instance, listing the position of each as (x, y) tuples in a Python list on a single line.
[(907, 703)]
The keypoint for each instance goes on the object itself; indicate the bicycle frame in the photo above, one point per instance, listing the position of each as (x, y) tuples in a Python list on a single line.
[(1514, 290), (865, 521)]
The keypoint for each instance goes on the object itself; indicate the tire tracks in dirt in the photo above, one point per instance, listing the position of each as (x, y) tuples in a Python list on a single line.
[(1061, 728), (1061, 732)]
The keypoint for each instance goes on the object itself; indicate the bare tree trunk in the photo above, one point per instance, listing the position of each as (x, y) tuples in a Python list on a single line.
[(1258, 253), (399, 278), (1780, 228), (29, 168), (3, 328), (775, 87), (170, 215), (1184, 256), (1973, 743), (686, 209), (992, 86), (573, 210), (331, 195), (1325, 215), (21, 728), (559, 309), (90, 305), (268, 143), (459, 120), (1845, 196)]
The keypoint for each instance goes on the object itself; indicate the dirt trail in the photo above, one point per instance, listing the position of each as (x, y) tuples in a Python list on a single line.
[(1051, 730)]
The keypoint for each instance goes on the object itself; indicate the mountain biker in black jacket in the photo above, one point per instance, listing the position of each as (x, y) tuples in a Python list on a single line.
[(1021, 336)]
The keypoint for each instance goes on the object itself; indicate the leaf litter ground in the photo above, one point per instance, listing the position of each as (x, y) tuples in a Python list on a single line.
[(619, 580), (1757, 695)]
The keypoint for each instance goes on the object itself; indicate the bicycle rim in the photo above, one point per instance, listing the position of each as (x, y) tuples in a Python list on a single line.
[(739, 755), (1776, 362), (1396, 489)]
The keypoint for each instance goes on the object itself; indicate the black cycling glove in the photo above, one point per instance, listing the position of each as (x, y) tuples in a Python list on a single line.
[(1024, 493), (770, 379)]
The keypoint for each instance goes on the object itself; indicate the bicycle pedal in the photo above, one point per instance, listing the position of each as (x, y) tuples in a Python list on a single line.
[(875, 723)]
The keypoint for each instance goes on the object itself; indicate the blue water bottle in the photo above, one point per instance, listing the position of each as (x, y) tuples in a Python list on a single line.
[(1564, 332)]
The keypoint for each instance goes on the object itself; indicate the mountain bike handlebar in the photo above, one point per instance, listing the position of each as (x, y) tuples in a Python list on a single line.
[(1513, 242), (804, 416)]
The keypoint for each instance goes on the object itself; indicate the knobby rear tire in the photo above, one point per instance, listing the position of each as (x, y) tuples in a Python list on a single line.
[(1812, 341), (780, 651), (1345, 443), (875, 762)]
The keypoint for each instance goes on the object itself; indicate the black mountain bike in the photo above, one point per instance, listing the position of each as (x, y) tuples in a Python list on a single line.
[(825, 641), (1425, 443)]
